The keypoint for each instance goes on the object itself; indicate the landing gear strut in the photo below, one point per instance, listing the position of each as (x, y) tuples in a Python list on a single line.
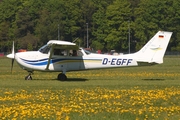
[(28, 77), (62, 77)]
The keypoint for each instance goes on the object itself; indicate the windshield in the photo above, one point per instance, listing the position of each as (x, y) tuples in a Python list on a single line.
[(87, 52), (44, 49)]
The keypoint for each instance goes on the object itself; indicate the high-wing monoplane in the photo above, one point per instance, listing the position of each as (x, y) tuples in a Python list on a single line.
[(63, 56)]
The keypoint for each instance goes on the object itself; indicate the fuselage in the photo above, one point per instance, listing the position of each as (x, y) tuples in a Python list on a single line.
[(38, 61)]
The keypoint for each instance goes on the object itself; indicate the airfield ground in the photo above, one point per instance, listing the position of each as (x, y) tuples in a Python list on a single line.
[(138, 93)]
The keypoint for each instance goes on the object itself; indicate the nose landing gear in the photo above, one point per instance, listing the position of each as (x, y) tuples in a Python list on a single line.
[(28, 77)]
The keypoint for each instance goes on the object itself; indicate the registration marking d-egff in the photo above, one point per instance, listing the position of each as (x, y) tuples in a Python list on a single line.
[(116, 61)]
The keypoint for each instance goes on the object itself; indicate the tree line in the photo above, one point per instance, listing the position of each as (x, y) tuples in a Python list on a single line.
[(99, 24)]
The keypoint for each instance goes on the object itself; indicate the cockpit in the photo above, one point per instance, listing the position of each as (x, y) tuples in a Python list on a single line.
[(64, 51)]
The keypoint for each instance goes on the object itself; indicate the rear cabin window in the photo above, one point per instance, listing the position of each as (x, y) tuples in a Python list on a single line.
[(60, 52)]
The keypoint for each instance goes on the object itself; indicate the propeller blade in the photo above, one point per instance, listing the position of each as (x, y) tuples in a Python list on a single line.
[(12, 65), (12, 56)]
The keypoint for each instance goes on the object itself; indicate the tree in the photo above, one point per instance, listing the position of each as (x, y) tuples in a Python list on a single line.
[(8, 10), (118, 16), (62, 15), (99, 25), (24, 23), (29, 42), (154, 15), (171, 20), (4, 28), (108, 22), (87, 9)]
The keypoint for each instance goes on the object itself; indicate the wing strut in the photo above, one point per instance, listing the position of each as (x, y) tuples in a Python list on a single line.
[(50, 56)]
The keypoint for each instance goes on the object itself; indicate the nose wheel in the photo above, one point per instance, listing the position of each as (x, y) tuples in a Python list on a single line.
[(28, 77), (62, 77)]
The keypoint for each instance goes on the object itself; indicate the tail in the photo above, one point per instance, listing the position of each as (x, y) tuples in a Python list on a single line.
[(154, 50)]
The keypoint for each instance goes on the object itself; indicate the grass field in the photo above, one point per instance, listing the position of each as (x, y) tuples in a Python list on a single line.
[(137, 93)]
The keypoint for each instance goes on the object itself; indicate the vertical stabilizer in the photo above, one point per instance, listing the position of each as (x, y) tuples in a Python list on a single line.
[(154, 50)]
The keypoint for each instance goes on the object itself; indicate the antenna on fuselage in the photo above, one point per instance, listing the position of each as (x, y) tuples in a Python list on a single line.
[(58, 33), (75, 40)]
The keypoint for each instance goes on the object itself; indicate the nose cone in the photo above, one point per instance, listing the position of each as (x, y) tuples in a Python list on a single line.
[(11, 56)]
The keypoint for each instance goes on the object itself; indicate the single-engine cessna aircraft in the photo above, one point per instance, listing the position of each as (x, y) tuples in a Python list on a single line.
[(63, 56)]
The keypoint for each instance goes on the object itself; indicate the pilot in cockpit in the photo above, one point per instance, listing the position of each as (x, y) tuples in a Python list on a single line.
[(57, 52), (74, 53)]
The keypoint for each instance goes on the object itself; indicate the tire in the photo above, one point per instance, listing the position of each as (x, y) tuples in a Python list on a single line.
[(62, 77), (28, 77)]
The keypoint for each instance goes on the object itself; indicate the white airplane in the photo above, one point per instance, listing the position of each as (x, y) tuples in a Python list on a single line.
[(63, 56)]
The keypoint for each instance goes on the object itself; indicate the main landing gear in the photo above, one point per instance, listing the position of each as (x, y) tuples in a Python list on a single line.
[(62, 77), (28, 77)]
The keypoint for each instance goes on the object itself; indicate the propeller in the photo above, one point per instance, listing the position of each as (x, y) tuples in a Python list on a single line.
[(12, 56), (12, 63)]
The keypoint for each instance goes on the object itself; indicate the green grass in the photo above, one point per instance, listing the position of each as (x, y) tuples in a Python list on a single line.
[(151, 92), (165, 74)]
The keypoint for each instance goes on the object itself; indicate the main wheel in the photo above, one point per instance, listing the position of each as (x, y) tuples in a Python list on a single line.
[(61, 76)]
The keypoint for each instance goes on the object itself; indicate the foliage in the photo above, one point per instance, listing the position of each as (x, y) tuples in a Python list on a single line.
[(108, 22), (118, 17), (155, 15)]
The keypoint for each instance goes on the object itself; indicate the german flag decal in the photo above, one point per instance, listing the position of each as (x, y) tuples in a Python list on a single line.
[(161, 36)]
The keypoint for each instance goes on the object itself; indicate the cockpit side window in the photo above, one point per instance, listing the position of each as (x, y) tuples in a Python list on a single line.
[(60, 52), (45, 49), (75, 53)]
